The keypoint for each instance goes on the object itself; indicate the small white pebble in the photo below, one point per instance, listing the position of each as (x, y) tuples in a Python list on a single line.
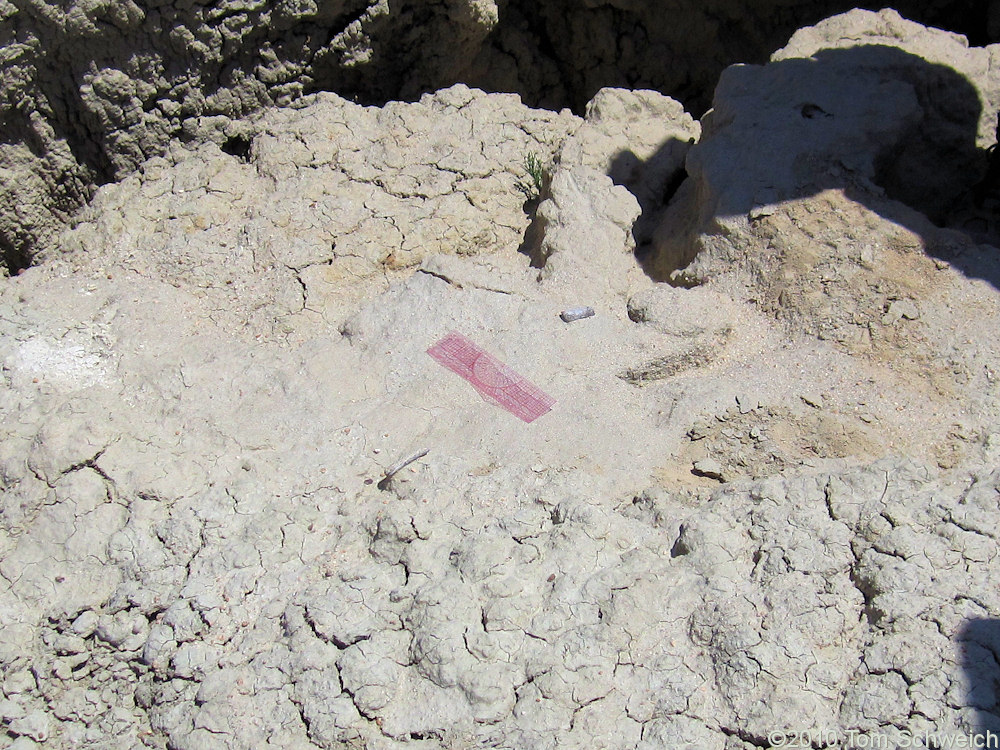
[(576, 313), (708, 467)]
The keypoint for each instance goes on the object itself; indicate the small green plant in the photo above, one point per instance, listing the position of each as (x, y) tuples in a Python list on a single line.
[(533, 183)]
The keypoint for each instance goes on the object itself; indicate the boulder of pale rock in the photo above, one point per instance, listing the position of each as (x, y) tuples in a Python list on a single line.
[(639, 139), (586, 234), (867, 102)]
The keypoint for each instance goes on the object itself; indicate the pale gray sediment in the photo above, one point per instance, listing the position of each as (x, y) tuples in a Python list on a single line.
[(765, 504)]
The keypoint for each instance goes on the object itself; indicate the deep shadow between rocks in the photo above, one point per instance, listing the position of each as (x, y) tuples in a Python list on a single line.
[(531, 245), (917, 170), (654, 195), (979, 641), (566, 51), (15, 260)]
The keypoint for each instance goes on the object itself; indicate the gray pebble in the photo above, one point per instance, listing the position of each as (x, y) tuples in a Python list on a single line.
[(708, 467), (576, 313)]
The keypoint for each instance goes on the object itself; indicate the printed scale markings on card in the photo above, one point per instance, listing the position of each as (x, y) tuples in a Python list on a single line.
[(495, 381)]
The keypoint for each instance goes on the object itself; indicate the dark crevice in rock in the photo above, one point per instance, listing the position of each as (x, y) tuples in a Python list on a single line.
[(343, 22), (673, 185), (870, 612), (746, 736), (15, 259), (238, 146), (430, 734), (532, 243)]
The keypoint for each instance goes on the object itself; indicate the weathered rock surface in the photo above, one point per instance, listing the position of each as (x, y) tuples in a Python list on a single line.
[(92, 89), (639, 139), (867, 103), (820, 230), (763, 504), (330, 192)]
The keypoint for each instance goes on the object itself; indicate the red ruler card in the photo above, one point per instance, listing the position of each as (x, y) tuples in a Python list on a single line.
[(492, 378)]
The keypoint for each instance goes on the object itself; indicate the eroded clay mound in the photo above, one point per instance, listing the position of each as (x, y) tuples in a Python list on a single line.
[(91, 89), (763, 503), (866, 103)]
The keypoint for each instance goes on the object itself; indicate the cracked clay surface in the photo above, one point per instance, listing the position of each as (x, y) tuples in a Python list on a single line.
[(760, 503)]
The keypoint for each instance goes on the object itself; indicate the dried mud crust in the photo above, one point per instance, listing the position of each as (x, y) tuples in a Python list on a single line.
[(199, 547), (367, 620), (900, 305), (197, 552), (332, 201), (767, 440), (832, 269), (773, 440)]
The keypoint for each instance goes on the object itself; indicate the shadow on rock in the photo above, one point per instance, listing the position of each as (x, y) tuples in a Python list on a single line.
[(979, 642), (906, 138), (653, 182)]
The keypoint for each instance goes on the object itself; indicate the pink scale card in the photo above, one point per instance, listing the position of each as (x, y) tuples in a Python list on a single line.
[(495, 381)]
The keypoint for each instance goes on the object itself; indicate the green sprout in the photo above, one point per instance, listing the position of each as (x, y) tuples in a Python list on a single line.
[(534, 182)]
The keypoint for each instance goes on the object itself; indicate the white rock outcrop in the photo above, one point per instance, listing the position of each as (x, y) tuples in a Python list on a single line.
[(760, 508), (92, 89), (868, 103)]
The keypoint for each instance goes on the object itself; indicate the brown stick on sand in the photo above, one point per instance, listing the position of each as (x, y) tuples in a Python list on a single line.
[(400, 465)]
